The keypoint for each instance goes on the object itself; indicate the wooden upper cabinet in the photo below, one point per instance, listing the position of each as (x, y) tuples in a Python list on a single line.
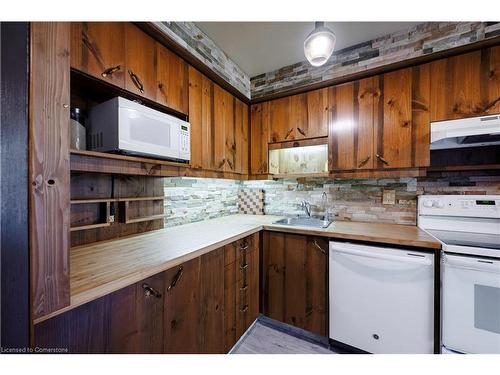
[(316, 124), (98, 49), (466, 85), (259, 135), (140, 60), (351, 125), (224, 132), (402, 123), (241, 127), (172, 80), (280, 128)]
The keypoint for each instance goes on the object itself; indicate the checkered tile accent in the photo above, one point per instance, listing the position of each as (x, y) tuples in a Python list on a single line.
[(251, 201)]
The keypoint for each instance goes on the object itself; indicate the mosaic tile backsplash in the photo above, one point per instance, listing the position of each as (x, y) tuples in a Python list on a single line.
[(194, 199)]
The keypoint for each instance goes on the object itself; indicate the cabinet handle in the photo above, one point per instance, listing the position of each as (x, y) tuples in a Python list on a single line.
[(379, 157), (363, 162), (491, 105), (244, 309), (176, 278), (244, 266), (319, 247), (150, 291), (110, 71), (221, 164), (243, 288), (244, 248), (288, 133), (231, 165), (301, 132), (137, 82)]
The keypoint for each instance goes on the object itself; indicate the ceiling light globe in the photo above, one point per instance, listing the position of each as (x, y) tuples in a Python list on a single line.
[(319, 45)]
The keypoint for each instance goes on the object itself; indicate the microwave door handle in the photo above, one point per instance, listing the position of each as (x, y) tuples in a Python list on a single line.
[(478, 264)]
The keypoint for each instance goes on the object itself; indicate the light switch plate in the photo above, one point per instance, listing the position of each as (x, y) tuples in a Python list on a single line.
[(389, 197)]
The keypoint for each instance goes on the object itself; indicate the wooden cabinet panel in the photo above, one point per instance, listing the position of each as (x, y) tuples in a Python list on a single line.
[(294, 279), (280, 128), (140, 59), (224, 132), (98, 49), (182, 308), (402, 124), (49, 166), (317, 114), (297, 117), (467, 85), (259, 135), (136, 317), (212, 303), (172, 80), (241, 136)]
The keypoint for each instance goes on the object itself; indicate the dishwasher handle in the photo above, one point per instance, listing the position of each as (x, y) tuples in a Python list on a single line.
[(409, 257), (472, 263)]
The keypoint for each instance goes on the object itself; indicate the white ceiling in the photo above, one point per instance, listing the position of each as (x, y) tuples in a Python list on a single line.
[(261, 47)]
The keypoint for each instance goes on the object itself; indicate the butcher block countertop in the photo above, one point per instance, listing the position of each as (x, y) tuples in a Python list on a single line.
[(104, 267)]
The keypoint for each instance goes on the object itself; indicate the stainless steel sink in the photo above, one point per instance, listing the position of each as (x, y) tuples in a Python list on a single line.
[(304, 222)]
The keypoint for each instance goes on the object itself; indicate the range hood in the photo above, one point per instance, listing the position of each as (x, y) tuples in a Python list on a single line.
[(467, 132)]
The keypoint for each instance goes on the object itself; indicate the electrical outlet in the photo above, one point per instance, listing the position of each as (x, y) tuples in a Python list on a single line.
[(389, 197), (111, 218)]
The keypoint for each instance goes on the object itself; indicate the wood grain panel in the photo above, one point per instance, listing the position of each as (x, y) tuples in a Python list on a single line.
[(219, 127), (280, 128), (295, 273), (230, 151), (196, 117), (99, 47), (253, 279), (208, 124), (298, 117), (420, 100), (317, 113), (241, 116), (230, 298), (49, 166), (397, 120), (273, 274), (140, 59), (182, 309), (171, 80), (259, 135), (211, 317), (492, 79)]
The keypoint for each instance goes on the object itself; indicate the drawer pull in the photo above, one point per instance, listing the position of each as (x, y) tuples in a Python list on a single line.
[(288, 133), (244, 266), (110, 71), (150, 291), (244, 248), (363, 162), (176, 278), (243, 288), (244, 309), (301, 132), (231, 165)]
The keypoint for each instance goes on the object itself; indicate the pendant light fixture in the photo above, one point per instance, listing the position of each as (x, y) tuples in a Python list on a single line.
[(319, 44)]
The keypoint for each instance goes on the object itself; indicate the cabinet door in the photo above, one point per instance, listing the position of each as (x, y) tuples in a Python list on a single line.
[(351, 125), (98, 49), (467, 85), (197, 118), (182, 308), (280, 127), (294, 279), (136, 317), (259, 135), (241, 136), (212, 303), (224, 142), (140, 59), (316, 124), (171, 80), (402, 124)]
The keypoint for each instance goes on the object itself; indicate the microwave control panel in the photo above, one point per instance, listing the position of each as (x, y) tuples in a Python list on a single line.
[(185, 139)]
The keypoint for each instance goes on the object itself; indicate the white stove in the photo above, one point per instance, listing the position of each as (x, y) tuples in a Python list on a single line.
[(469, 229)]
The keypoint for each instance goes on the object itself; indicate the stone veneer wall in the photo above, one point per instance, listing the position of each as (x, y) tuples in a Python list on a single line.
[(190, 37), (195, 199), (422, 39)]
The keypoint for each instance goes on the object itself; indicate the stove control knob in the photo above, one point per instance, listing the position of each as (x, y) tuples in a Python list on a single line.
[(438, 204), (427, 204)]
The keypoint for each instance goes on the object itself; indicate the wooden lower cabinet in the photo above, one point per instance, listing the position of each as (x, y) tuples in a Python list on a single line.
[(294, 280), (241, 287)]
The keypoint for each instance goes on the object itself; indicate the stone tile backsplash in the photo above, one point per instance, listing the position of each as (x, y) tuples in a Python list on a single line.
[(194, 199)]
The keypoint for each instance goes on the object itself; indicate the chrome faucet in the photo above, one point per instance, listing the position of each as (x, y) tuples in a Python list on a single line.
[(307, 207)]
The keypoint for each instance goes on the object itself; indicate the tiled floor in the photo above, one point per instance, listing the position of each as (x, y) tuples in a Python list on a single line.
[(271, 337)]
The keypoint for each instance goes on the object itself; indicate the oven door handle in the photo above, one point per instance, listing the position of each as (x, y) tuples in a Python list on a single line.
[(478, 264)]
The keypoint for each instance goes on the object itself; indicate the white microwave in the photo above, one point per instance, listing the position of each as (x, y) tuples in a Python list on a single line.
[(121, 125)]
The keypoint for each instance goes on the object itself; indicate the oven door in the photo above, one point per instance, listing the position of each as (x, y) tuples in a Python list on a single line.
[(148, 132), (471, 304)]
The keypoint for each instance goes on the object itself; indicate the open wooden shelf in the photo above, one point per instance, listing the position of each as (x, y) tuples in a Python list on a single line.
[(103, 162), (145, 218), (105, 200), (89, 226)]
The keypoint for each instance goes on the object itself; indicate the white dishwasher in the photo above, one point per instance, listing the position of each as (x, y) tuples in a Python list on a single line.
[(381, 299)]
